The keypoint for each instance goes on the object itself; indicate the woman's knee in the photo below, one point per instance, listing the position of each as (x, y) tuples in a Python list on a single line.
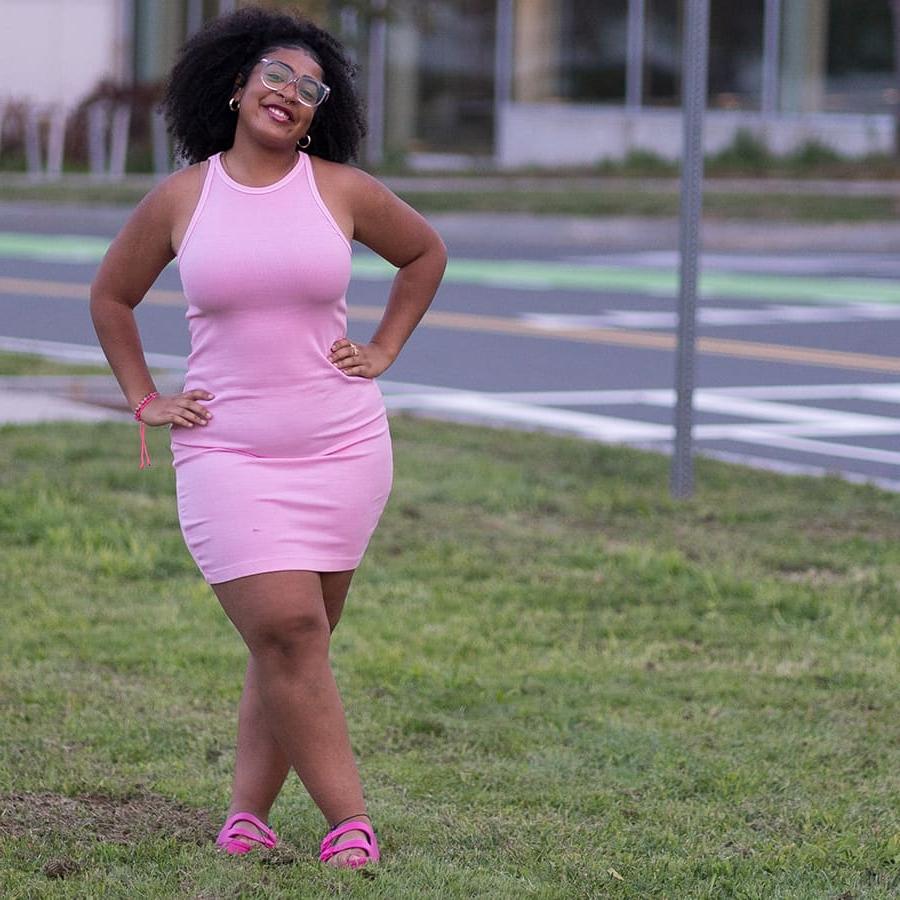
[(290, 638)]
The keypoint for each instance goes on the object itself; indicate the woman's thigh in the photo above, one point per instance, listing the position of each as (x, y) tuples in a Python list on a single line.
[(335, 586), (274, 607)]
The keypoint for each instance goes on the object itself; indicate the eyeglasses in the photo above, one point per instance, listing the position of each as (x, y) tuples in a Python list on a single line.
[(277, 76)]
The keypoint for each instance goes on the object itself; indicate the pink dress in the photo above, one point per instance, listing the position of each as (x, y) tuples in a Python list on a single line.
[(294, 469)]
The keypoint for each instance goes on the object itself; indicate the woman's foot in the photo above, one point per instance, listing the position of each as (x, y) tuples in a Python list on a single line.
[(362, 847), (242, 832)]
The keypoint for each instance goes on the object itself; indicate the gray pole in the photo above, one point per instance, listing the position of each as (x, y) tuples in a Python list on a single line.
[(376, 80), (503, 66), (634, 71), (771, 57), (693, 102), (194, 16)]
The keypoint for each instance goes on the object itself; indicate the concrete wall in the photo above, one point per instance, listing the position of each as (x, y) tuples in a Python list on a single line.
[(554, 134), (54, 51)]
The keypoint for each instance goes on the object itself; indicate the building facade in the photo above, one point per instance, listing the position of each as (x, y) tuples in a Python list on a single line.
[(525, 82)]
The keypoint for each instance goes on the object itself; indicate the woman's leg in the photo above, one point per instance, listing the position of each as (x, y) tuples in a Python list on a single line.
[(286, 623), (260, 766)]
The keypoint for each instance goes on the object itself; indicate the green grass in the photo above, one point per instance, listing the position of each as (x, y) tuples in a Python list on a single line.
[(554, 200), (644, 203), (560, 683), (31, 364)]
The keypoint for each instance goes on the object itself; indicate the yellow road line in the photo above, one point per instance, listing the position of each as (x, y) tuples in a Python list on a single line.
[(647, 340)]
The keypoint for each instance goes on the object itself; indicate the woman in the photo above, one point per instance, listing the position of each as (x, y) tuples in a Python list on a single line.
[(280, 441)]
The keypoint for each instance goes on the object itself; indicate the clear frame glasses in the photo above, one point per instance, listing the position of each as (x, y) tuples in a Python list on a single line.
[(278, 76)]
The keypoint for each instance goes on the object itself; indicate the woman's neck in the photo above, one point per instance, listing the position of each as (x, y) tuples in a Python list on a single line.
[(256, 166)]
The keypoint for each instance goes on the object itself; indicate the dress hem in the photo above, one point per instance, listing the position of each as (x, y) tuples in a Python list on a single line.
[(280, 564)]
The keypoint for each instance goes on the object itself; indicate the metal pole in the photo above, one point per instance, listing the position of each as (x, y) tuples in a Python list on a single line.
[(375, 99), (162, 159), (771, 63), (693, 102), (98, 126), (194, 16), (4, 105), (634, 71), (33, 154), (503, 66), (118, 146), (56, 141)]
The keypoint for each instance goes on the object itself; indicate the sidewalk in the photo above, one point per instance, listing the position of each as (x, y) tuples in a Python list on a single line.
[(31, 399)]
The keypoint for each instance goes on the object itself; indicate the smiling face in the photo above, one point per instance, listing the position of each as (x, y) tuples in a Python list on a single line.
[(276, 117)]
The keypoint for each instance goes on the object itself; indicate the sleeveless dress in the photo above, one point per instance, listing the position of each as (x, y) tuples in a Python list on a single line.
[(294, 468)]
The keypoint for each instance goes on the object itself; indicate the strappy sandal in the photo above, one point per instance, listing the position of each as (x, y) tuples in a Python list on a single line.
[(233, 840), (330, 847)]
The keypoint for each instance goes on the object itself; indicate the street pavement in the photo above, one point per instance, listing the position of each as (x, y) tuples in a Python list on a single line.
[(560, 324)]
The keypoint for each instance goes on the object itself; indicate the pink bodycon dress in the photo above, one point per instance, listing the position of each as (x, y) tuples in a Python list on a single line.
[(294, 468)]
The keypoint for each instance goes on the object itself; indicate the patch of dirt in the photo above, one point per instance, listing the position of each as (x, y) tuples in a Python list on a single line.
[(61, 868), (117, 820)]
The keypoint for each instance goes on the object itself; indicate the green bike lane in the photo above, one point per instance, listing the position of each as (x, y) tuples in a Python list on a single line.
[(540, 275)]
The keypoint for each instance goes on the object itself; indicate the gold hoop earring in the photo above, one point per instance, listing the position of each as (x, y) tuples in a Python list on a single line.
[(301, 145), (234, 104)]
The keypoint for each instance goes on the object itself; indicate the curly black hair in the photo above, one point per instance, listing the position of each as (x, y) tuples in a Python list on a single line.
[(221, 55)]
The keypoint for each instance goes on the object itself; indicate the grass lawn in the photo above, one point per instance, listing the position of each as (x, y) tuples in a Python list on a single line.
[(781, 207), (560, 683), (28, 364), (551, 201)]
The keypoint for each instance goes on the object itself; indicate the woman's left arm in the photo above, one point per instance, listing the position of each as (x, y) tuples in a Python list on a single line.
[(396, 232)]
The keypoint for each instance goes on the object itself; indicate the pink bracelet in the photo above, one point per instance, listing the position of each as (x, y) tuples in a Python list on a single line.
[(145, 453), (140, 407)]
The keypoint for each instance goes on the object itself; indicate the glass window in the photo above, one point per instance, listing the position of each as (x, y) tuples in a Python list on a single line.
[(735, 53), (662, 53), (440, 92), (593, 45), (860, 68)]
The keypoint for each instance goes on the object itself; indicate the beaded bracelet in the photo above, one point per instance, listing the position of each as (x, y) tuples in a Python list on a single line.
[(145, 453)]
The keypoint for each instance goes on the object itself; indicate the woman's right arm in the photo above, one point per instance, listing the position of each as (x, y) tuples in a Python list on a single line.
[(141, 250)]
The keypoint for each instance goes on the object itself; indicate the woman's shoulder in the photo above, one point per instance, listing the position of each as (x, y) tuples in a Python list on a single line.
[(184, 183), (341, 176), (169, 205)]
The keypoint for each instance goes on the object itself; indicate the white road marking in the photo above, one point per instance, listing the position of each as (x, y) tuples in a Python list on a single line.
[(721, 317), (767, 423), (767, 419), (470, 404)]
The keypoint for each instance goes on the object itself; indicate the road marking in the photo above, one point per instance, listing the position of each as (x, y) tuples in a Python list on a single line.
[(773, 425), (646, 340), (537, 275), (718, 317), (777, 425)]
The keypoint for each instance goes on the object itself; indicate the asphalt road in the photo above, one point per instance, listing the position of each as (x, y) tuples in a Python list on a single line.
[(559, 326)]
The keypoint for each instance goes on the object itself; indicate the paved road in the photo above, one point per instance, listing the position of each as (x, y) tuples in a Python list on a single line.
[(568, 326)]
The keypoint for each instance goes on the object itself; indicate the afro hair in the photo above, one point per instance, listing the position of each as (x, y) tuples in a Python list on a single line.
[(222, 54)]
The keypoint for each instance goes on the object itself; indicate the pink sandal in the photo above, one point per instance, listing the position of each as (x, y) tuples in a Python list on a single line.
[(370, 846), (233, 840)]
